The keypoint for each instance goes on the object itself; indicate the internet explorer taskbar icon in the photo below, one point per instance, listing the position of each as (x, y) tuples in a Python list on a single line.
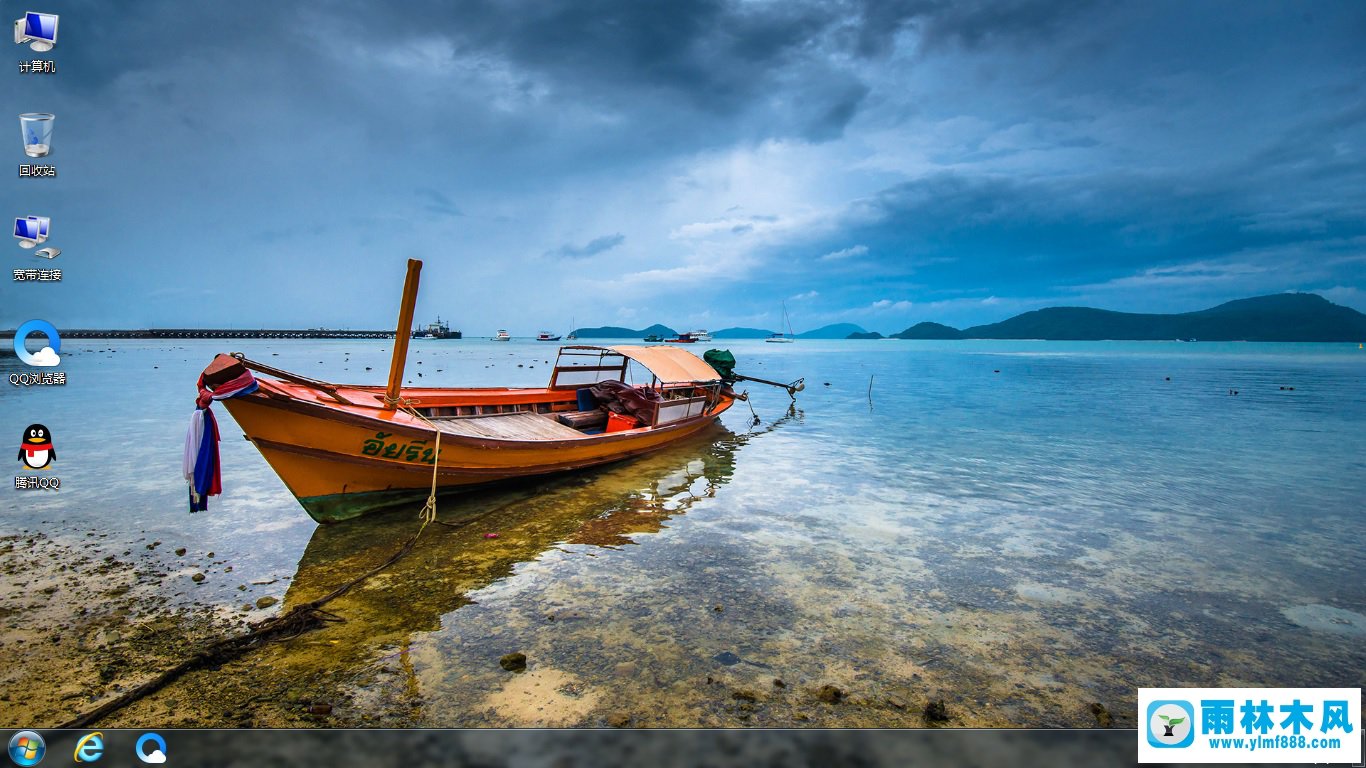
[(90, 748)]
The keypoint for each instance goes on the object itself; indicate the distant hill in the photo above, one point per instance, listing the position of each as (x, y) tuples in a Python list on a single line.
[(618, 332), (1279, 317), (836, 331), (742, 333), (865, 335), (929, 331)]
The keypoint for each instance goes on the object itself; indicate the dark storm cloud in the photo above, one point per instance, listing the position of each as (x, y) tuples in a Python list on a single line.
[(592, 248), (1184, 241), (1117, 152), (964, 22), (718, 59)]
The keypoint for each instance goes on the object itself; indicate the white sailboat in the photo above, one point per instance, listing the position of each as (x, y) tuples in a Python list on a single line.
[(779, 338)]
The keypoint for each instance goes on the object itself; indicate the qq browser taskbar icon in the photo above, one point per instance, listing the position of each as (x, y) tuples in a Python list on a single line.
[(151, 749)]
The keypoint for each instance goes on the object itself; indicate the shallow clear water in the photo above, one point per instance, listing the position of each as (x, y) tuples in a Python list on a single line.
[(1020, 528)]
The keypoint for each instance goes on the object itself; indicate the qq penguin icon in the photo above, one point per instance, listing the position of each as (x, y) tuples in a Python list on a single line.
[(36, 450), (151, 749)]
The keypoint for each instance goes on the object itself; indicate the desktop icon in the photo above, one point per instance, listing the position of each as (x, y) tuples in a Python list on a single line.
[(48, 253), (37, 130), (39, 30), (35, 449), (48, 356), (31, 230), (90, 748), (26, 748), (155, 754)]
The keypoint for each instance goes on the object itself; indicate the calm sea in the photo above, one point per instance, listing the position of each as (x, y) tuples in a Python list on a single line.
[(1018, 528)]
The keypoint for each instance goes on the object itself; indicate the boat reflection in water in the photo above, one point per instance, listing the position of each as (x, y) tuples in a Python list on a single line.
[(606, 507)]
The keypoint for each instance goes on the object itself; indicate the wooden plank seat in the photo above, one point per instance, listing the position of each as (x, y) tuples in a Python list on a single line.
[(508, 426), (584, 419)]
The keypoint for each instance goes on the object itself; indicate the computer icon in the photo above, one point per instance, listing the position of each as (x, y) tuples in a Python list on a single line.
[(39, 30), (31, 230)]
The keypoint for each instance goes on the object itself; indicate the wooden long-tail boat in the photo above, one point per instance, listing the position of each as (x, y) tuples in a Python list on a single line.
[(347, 450)]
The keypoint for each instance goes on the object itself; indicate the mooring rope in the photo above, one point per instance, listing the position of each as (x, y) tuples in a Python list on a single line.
[(299, 619), (406, 404)]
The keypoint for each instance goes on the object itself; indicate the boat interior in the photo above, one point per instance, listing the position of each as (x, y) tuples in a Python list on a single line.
[(678, 385)]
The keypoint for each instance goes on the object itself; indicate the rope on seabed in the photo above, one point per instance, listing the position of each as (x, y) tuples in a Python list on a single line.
[(300, 618)]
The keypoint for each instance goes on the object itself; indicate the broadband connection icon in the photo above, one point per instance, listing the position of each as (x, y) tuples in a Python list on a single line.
[(31, 230), (39, 30)]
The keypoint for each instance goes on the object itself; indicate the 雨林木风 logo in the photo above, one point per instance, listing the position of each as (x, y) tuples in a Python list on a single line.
[(1170, 723), (1249, 725)]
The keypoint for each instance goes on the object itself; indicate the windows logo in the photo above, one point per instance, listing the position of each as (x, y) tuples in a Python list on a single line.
[(26, 748)]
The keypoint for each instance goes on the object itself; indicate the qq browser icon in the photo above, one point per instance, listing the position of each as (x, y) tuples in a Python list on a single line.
[(151, 749)]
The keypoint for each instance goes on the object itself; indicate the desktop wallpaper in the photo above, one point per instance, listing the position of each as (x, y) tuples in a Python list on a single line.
[(1013, 351)]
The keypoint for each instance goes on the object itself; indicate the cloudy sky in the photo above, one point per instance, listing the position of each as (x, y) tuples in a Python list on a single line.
[(693, 163)]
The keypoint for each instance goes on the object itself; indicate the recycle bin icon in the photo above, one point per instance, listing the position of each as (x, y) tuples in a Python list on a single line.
[(37, 130)]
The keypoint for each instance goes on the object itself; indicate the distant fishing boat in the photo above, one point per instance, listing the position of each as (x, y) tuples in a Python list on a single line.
[(683, 338), (778, 338), (546, 336), (654, 337), (502, 336), (437, 330), (701, 335), (347, 450), (573, 330)]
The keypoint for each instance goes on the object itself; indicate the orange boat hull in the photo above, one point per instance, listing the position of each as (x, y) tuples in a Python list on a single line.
[(342, 461)]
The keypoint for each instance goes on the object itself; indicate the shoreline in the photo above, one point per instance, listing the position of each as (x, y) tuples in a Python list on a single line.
[(90, 625)]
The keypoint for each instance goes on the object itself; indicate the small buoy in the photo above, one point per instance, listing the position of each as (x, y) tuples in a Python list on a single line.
[(1169, 378), (996, 371), (827, 383), (490, 535)]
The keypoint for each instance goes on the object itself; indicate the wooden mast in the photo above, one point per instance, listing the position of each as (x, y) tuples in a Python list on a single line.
[(403, 334)]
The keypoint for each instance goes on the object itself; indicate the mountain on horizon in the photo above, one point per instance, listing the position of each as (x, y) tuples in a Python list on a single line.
[(835, 331), (1278, 317), (618, 332), (742, 333)]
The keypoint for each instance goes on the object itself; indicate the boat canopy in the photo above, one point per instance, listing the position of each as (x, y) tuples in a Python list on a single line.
[(669, 365)]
